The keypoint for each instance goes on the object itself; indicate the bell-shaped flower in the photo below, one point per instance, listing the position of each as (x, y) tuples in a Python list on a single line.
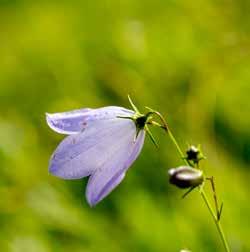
[(102, 143)]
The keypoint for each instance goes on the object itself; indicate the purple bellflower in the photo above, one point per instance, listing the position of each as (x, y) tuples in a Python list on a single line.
[(102, 144)]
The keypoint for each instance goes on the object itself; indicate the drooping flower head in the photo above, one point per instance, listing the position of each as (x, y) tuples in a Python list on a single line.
[(102, 144)]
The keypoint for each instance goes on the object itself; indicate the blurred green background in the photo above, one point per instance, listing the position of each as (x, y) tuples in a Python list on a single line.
[(188, 59)]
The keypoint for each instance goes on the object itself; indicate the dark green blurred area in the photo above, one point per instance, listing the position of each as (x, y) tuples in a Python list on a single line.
[(188, 59)]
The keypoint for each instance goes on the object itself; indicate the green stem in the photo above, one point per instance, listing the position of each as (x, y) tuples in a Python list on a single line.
[(216, 221), (177, 146), (202, 192)]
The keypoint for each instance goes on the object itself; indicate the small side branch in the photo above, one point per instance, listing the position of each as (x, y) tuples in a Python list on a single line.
[(218, 210)]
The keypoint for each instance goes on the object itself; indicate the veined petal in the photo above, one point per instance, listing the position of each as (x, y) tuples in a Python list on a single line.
[(111, 173), (75, 121), (67, 122), (82, 154)]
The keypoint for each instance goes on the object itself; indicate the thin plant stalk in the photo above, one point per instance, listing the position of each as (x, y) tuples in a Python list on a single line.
[(216, 221), (205, 198), (201, 191)]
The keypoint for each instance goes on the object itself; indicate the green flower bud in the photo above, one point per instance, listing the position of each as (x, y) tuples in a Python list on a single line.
[(185, 176), (193, 154)]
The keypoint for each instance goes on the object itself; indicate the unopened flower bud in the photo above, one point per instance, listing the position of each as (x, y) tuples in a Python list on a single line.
[(193, 154), (185, 176)]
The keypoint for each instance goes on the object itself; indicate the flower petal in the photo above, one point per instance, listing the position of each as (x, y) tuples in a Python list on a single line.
[(82, 154), (73, 122), (111, 173)]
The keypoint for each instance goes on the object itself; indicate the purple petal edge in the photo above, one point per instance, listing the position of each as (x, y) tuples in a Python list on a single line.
[(79, 155), (119, 176), (75, 121)]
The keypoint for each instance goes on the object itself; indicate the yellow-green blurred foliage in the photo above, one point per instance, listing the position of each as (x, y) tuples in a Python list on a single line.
[(188, 59)]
